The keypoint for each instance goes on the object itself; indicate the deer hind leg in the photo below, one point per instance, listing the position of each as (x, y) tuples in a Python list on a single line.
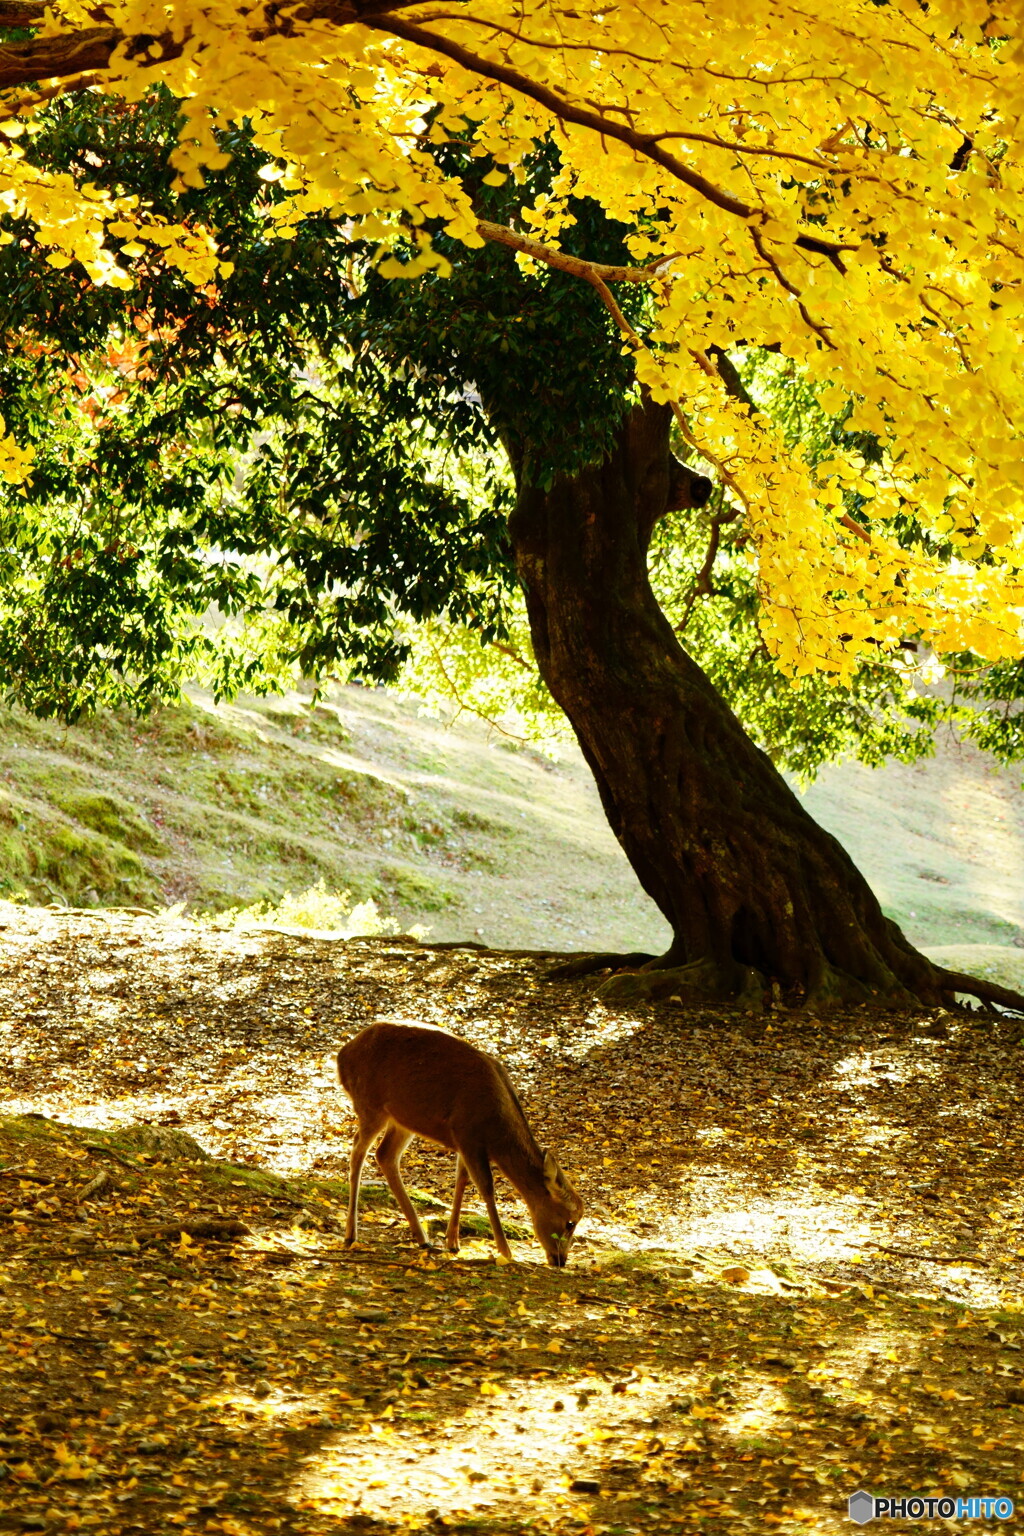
[(389, 1159), (479, 1170), (451, 1237), (368, 1129)]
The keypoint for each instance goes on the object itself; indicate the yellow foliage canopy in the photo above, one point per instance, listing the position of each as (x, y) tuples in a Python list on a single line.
[(842, 182)]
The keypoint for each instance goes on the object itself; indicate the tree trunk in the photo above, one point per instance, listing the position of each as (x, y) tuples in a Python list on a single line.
[(755, 891)]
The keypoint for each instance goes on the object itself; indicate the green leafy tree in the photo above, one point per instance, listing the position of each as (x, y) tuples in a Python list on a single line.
[(324, 454)]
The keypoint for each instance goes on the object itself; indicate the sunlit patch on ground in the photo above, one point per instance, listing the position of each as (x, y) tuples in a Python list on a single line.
[(518, 1447), (869, 1068), (796, 1274), (786, 1226)]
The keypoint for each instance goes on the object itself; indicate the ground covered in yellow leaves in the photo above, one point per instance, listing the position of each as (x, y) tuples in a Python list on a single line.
[(800, 1272)]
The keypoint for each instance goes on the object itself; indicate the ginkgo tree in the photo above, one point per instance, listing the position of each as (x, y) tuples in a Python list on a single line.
[(842, 187)]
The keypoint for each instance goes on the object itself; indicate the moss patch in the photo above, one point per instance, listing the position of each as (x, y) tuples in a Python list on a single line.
[(412, 888), (95, 813), (115, 818), (141, 1152), (43, 857), (473, 1224)]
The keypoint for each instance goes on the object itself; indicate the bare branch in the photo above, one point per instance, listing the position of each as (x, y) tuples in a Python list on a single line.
[(736, 146), (702, 583), (791, 288), (21, 13), (500, 234), (557, 45), (463, 705), (596, 273), (846, 521), (513, 655), (49, 58)]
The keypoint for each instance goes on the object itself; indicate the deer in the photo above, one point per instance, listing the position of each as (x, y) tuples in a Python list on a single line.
[(407, 1079)]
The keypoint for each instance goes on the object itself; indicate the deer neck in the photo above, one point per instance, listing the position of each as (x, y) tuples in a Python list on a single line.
[(521, 1160)]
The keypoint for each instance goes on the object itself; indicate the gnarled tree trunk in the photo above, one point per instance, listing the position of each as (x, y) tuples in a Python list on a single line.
[(755, 891)]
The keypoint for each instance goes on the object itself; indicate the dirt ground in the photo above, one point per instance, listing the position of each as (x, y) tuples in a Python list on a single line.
[(800, 1272)]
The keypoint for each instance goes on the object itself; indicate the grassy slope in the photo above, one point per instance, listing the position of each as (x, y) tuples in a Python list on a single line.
[(223, 806), (446, 826), (942, 843)]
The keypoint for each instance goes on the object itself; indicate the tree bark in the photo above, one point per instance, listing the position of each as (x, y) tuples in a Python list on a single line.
[(755, 891)]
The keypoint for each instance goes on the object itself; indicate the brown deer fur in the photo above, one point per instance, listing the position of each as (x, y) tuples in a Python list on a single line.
[(406, 1080)]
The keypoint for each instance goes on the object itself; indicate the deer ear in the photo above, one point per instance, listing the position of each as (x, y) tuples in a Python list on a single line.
[(553, 1176)]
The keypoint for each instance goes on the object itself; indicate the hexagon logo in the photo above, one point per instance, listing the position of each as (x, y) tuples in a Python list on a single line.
[(861, 1507)]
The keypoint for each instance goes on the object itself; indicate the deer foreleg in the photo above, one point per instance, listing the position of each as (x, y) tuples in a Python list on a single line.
[(480, 1172)]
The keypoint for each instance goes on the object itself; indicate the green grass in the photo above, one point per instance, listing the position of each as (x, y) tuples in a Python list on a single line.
[(412, 887), (993, 962), (225, 806), (443, 826), (45, 855), (119, 812), (113, 817)]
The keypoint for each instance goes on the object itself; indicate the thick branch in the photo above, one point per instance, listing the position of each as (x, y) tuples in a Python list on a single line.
[(590, 271), (645, 144), (21, 13), (49, 58), (52, 58), (32, 13)]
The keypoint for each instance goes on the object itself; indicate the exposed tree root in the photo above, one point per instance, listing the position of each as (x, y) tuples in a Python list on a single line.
[(701, 981), (641, 978), (984, 991), (586, 965)]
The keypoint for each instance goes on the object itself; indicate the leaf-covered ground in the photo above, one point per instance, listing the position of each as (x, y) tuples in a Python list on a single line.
[(800, 1273)]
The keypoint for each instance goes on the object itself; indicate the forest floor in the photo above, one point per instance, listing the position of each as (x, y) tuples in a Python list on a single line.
[(800, 1272)]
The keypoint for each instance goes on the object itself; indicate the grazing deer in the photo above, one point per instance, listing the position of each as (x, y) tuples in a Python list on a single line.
[(411, 1080)]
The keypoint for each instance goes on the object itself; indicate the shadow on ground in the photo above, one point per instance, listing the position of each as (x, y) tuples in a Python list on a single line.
[(800, 1274)]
